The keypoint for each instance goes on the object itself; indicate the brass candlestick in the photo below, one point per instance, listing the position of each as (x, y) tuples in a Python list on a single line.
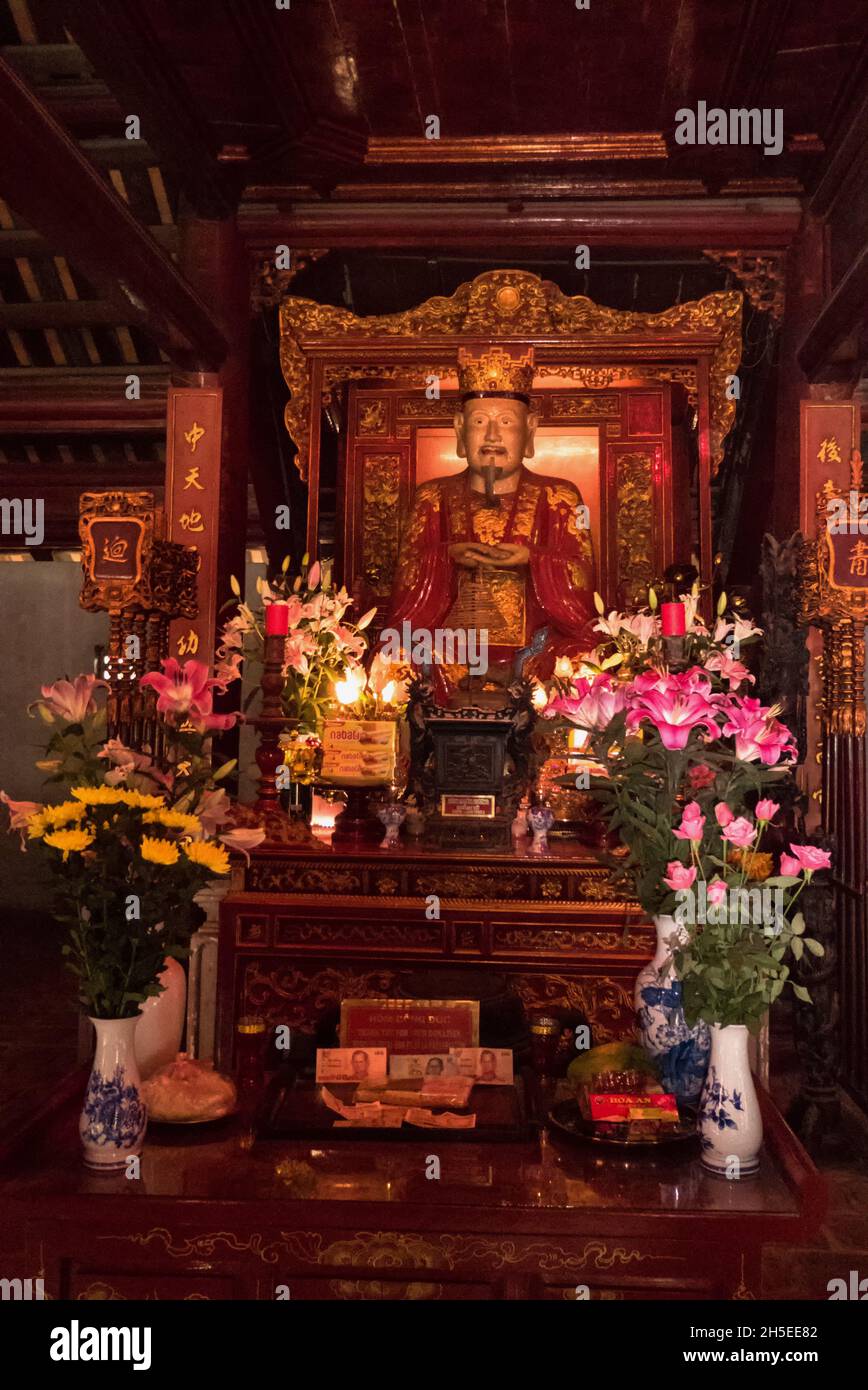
[(270, 722)]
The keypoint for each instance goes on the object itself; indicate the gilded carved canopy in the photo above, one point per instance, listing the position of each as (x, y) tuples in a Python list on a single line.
[(697, 343)]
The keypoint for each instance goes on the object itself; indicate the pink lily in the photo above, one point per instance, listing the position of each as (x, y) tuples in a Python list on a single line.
[(70, 701), (594, 704), (184, 693), (242, 840), (676, 705), (758, 734), (19, 813)]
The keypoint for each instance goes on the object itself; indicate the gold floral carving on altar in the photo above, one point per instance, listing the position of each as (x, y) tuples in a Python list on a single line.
[(381, 520), (606, 1002), (372, 417), (404, 1251), (585, 407), (635, 501), (510, 304)]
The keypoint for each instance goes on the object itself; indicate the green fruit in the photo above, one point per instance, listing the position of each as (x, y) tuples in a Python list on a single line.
[(616, 1056)]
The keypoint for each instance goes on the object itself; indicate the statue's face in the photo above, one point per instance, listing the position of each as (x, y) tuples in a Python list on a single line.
[(495, 430)]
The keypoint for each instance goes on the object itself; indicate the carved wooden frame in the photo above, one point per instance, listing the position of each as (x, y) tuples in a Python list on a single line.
[(697, 343)]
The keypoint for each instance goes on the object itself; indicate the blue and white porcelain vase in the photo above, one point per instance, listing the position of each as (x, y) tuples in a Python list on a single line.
[(729, 1121), (680, 1053), (114, 1116)]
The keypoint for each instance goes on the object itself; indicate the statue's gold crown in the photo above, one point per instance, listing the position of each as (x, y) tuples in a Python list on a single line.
[(495, 372)]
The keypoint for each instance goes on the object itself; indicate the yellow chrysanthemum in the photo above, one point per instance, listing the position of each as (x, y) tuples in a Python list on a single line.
[(102, 796), (69, 840), (57, 816), (159, 851), (210, 856), (174, 820), (36, 826), (117, 796)]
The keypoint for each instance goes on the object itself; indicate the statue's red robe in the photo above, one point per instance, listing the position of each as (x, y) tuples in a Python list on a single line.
[(545, 514)]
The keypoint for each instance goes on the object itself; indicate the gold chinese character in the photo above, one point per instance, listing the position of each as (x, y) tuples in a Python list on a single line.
[(187, 727), (859, 559), (189, 645), (192, 480), (828, 451), (114, 551), (183, 769), (191, 521), (193, 436)]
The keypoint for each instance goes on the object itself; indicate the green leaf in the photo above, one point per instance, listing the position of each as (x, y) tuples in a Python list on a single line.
[(798, 924), (815, 947), (801, 993)]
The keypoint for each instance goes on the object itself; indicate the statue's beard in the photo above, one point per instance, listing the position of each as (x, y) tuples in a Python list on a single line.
[(492, 471)]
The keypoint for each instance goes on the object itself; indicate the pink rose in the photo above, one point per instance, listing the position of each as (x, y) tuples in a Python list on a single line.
[(740, 832), (692, 823), (700, 776), (790, 866), (723, 815), (812, 858), (679, 876), (716, 892), (767, 810)]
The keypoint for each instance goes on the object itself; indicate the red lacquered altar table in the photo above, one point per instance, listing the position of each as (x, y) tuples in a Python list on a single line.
[(359, 1219)]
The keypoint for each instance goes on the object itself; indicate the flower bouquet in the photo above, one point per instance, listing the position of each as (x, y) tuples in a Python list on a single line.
[(322, 646), (685, 759), (129, 848)]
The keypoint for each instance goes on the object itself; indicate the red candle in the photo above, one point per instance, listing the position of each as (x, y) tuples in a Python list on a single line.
[(674, 619), (276, 620)]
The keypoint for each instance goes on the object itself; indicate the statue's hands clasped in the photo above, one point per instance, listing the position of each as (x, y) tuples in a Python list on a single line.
[(474, 555)]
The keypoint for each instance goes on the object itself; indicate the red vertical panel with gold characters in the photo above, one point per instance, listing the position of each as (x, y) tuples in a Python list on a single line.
[(829, 432), (195, 417)]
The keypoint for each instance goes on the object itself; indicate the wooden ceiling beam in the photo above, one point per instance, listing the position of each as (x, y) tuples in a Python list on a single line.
[(82, 400), (32, 246), (124, 49), (727, 223), (57, 190)]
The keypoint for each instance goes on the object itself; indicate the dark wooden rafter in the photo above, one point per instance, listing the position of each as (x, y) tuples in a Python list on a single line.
[(55, 188), (844, 313), (123, 47), (332, 145), (759, 35), (18, 242), (847, 142)]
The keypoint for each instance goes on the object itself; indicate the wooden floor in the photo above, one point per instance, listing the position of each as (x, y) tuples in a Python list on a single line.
[(39, 1042)]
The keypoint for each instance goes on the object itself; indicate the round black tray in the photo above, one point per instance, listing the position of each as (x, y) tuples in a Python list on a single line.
[(567, 1119)]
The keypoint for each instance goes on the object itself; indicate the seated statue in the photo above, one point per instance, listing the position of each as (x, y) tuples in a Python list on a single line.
[(496, 549)]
